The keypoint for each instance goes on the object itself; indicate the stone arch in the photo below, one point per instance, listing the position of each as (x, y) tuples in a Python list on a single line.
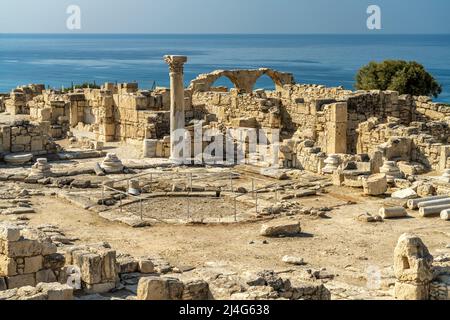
[(243, 80), (222, 81), (265, 82), (279, 78)]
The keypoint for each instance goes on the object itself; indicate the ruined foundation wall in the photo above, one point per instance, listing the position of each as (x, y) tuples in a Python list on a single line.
[(113, 113), (23, 136), (422, 142), (237, 110)]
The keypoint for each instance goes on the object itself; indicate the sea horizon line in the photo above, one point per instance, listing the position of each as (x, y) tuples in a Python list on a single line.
[(223, 34)]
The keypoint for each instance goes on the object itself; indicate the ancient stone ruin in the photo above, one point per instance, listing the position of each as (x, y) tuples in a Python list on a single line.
[(205, 192)]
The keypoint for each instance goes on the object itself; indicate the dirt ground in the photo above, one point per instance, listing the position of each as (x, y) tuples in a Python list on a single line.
[(339, 243)]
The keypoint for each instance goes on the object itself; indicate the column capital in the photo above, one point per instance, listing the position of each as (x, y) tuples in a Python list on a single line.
[(175, 63)]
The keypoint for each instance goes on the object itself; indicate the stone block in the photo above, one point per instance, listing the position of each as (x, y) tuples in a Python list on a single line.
[(146, 266), (338, 112), (155, 288), (8, 266), (48, 248), (33, 264), (100, 287), (109, 265), (56, 291), (37, 144), (46, 276), (128, 265), (54, 261), (411, 291), (3, 286), (21, 281), (23, 248), (280, 228), (375, 185), (196, 290), (9, 233), (405, 194), (91, 268)]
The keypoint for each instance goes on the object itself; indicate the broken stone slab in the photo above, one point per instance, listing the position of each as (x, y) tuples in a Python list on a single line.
[(103, 287), (369, 218), (433, 211), (280, 228), (196, 290), (156, 288), (393, 212), (426, 190), (85, 154), (127, 264), (146, 265), (17, 211), (274, 173), (413, 204), (296, 261), (305, 193), (56, 291), (98, 170), (375, 185), (405, 194)]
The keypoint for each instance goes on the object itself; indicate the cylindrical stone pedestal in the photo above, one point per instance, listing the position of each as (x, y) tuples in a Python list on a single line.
[(414, 203), (393, 212), (434, 203), (331, 164), (391, 170), (134, 188), (433, 211)]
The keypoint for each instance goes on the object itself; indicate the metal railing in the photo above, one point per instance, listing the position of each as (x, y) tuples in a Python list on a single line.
[(189, 177)]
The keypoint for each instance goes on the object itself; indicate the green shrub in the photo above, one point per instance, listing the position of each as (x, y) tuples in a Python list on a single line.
[(397, 75)]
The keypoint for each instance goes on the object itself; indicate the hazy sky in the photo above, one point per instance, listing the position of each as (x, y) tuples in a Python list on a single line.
[(225, 16)]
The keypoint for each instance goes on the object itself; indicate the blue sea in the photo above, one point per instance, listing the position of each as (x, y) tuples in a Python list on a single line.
[(332, 60)]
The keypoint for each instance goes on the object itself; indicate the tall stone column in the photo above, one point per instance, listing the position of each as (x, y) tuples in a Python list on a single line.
[(177, 115)]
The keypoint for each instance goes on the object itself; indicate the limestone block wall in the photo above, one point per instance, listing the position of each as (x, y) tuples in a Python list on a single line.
[(254, 110), (302, 154), (19, 98), (51, 111), (114, 112), (24, 136), (27, 258), (424, 109), (423, 142)]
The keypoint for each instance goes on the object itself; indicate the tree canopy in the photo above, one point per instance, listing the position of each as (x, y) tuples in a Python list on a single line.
[(406, 77)]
